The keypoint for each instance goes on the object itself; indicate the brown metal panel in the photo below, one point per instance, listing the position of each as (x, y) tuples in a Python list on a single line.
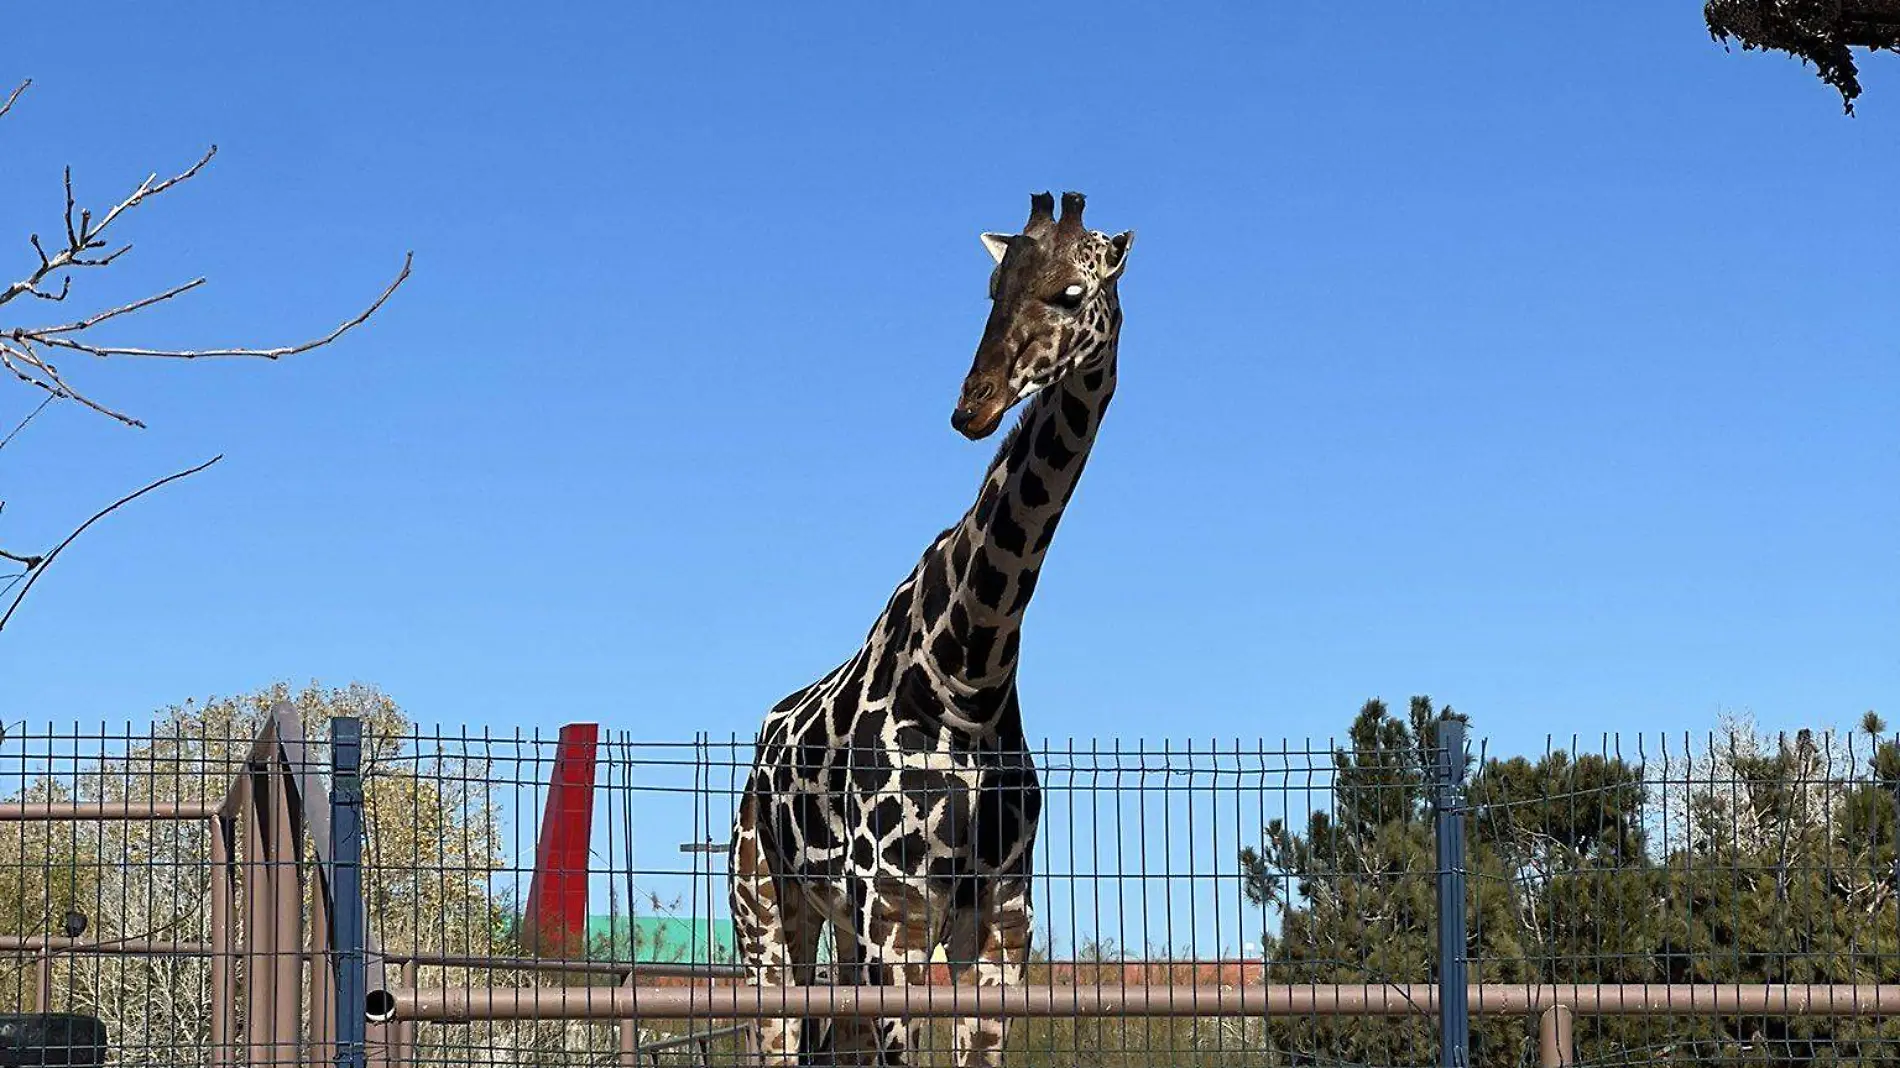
[(254, 936), (223, 990), (321, 1049), (287, 918)]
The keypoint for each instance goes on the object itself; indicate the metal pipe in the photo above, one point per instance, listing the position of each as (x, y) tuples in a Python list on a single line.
[(599, 966), (735, 1002), (31, 811), (404, 1046), (657, 969), (43, 983), (1555, 1046), (1493, 999), (629, 1034), (127, 947), (1691, 999), (145, 947)]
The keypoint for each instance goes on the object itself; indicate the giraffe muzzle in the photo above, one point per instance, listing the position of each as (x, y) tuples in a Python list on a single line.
[(980, 407), (976, 422)]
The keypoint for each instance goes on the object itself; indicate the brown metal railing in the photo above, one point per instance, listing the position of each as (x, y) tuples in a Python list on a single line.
[(258, 878), (33, 811), (1555, 1005), (399, 1038)]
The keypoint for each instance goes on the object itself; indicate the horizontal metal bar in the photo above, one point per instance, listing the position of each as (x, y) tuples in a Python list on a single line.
[(1690, 999), (657, 969), (742, 1002), (127, 947), (1493, 999), (142, 947), (30, 811)]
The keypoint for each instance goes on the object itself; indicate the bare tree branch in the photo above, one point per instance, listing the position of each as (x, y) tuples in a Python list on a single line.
[(55, 335), (22, 348), (26, 352), (145, 189), (53, 383), (65, 287), (7, 355), (83, 236), (41, 563), (124, 309), (21, 425), (29, 562), (15, 95)]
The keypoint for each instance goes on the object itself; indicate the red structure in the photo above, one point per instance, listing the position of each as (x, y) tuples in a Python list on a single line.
[(556, 920)]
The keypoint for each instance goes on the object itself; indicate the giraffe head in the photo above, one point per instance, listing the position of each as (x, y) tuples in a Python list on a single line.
[(1053, 311)]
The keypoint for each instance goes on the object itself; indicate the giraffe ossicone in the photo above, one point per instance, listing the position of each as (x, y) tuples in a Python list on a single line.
[(894, 801)]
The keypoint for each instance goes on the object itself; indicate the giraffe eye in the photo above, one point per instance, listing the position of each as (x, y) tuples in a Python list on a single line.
[(996, 280), (1070, 297)]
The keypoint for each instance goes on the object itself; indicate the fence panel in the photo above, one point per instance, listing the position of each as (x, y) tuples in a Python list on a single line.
[(1709, 901)]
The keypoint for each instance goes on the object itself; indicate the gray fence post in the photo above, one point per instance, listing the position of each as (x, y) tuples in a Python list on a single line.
[(346, 891), (1454, 1009)]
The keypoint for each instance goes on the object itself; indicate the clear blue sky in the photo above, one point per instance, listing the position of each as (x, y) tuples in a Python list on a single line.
[(1541, 361)]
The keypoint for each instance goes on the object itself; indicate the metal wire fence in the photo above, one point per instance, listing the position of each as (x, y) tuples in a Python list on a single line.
[(1640, 901)]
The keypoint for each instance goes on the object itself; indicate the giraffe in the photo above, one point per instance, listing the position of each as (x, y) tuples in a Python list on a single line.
[(895, 798)]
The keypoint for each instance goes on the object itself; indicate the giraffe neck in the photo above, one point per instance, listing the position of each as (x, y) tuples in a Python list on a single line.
[(980, 574)]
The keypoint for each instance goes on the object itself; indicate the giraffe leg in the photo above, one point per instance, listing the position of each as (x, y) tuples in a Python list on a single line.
[(852, 1040), (994, 947), (775, 928), (901, 924), (962, 947)]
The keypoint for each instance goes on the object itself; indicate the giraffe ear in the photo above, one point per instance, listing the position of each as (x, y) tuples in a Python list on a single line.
[(1118, 254), (998, 244)]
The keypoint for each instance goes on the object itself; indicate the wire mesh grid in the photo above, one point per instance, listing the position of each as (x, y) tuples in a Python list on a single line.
[(1137, 881), (139, 865), (1696, 873), (1194, 903)]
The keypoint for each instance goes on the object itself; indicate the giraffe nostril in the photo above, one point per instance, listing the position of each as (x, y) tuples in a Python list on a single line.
[(982, 392)]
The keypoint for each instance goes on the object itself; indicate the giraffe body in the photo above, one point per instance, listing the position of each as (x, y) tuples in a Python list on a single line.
[(895, 800)]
